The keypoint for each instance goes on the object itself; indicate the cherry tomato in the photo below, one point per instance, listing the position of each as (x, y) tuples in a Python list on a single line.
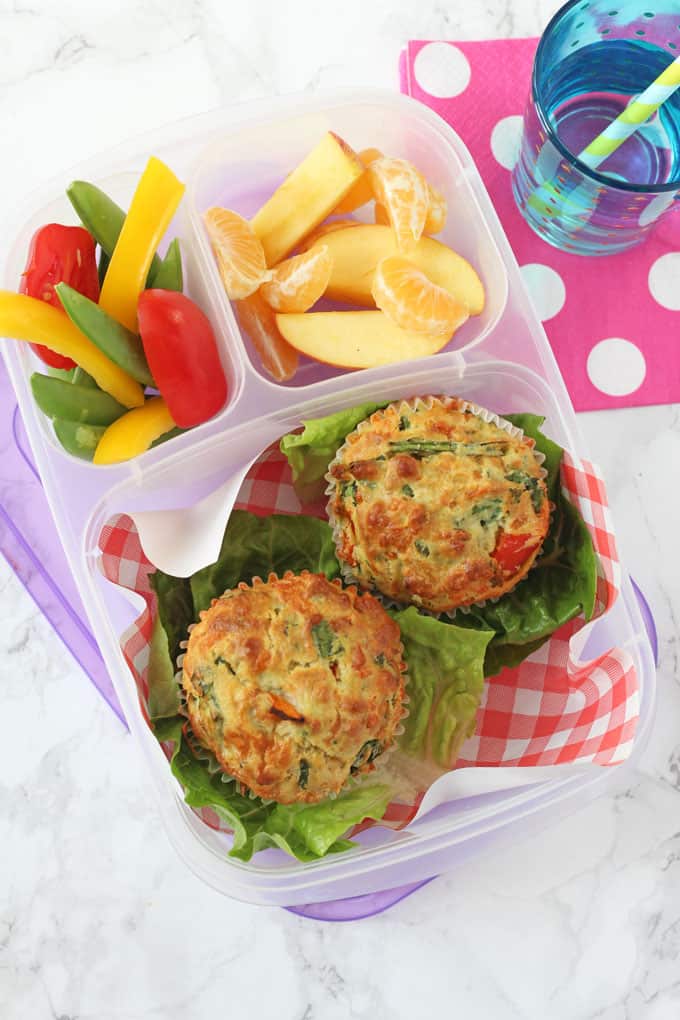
[(512, 551), (181, 349), (57, 254)]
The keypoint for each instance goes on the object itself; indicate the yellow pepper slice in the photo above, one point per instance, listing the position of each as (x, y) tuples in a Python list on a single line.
[(27, 318), (153, 205), (134, 432)]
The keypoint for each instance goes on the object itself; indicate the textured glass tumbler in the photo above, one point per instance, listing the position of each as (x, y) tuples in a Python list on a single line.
[(592, 59)]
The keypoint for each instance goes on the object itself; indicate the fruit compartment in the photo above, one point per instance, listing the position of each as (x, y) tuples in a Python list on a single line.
[(383, 854), (239, 172)]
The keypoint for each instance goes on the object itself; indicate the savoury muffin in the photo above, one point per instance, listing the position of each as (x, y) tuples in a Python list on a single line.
[(433, 503), (295, 684)]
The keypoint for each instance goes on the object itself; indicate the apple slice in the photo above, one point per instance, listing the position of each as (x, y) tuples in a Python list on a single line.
[(327, 228), (357, 250), (306, 196), (354, 339)]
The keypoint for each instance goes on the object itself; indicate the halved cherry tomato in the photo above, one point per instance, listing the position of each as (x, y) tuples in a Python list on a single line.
[(512, 551), (59, 254), (181, 349)]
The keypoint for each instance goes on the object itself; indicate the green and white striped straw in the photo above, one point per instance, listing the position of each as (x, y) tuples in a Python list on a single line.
[(636, 113), (546, 197)]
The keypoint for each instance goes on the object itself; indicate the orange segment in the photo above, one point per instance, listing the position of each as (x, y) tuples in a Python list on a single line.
[(409, 299), (436, 213), (327, 228), (257, 319), (239, 254), (380, 215), (361, 191), (403, 191), (299, 282)]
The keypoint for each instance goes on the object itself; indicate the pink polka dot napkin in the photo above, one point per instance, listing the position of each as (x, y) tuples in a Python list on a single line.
[(613, 322)]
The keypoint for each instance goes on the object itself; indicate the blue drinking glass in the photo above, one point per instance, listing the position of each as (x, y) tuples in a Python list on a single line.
[(592, 59)]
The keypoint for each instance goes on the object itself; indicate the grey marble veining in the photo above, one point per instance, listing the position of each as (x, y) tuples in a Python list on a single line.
[(99, 920)]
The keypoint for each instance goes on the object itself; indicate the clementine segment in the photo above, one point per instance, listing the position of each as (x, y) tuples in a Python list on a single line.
[(299, 282), (380, 215), (258, 320), (436, 213), (238, 252), (403, 191), (404, 293)]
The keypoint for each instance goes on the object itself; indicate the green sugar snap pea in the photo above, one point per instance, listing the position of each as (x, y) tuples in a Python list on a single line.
[(104, 219), (169, 275), (118, 343), (62, 373), (100, 215), (78, 439), (102, 266), (168, 435), (58, 398), (83, 378)]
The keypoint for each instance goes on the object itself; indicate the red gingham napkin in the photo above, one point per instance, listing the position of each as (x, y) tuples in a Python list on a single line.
[(552, 709)]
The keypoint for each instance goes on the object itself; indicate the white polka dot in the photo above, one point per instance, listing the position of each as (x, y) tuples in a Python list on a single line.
[(664, 280), (655, 208), (546, 289), (442, 70), (616, 367), (505, 141)]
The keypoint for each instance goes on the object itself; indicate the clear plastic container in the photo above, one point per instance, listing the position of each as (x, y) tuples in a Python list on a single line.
[(501, 360)]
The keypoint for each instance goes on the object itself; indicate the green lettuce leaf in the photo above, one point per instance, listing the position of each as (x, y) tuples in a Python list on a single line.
[(305, 831), (446, 679), (530, 424), (499, 656), (175, 608), (317, 827), (256, 546), (164, 699), (310, 452)]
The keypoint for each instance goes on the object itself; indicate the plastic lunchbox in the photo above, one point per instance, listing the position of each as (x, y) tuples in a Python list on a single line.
[(501, 360)]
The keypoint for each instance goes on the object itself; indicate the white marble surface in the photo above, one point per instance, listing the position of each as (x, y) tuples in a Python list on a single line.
[(99, 920)]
